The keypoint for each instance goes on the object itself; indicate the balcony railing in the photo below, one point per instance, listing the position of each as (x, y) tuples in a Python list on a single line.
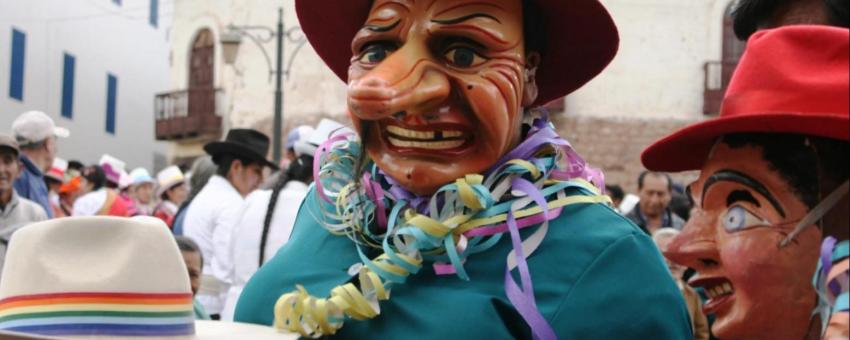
[(717, 76), (188, 114)]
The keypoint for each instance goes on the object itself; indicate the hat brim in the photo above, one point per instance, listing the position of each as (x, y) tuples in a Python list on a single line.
[(61, 132), (688, 148), (217, 148), (582, 39), (206, 329)]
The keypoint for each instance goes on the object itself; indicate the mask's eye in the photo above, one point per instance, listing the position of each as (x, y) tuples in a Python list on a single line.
[(737, 218), (464, 57), (376, 52)]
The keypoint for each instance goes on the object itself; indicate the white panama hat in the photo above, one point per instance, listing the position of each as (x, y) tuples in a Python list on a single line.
[(104, 277), (168, 178)]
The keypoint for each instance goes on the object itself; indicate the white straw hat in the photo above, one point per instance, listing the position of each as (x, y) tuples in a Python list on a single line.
[(107, 277), (169, 177)]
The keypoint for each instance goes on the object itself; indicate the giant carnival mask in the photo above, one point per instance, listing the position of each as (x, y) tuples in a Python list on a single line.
[(744, 210), (437, 87), (750, 239)]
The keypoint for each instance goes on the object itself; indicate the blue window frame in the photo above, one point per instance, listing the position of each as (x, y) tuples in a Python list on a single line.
[(153, 18), (69, 64), (111, 97), (16, 73)]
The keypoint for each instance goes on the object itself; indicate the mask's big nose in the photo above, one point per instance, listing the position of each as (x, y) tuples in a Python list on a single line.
[(406, 81)]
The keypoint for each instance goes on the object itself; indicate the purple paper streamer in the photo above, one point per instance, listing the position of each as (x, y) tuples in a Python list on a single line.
[(523, 300)]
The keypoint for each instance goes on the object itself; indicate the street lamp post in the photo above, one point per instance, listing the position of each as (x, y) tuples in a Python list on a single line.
[(230, 41)]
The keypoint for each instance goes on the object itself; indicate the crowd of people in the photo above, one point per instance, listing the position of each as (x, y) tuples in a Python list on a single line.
[(227, 217)]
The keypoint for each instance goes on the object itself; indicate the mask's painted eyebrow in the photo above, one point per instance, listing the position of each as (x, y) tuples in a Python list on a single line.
[(741, 195), (379, 28), (465, 18), (727, 175)]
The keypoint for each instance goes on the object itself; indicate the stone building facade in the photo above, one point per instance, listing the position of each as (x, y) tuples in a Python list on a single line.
[(674, 59)]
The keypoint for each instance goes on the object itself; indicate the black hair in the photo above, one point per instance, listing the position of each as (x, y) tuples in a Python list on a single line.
[(164, 196), (749, 15), (300, 170), (96, 176), (643, 174), (75, 165), (616, 191), (188, 245), (802, 161), (224, 161), (533, 27)]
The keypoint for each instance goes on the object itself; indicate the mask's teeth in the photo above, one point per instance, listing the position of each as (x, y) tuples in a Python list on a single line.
[(437, 145), (402, 132)]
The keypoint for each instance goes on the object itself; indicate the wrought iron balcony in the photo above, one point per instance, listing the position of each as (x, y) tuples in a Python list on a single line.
[(717, 76), (186, 114)]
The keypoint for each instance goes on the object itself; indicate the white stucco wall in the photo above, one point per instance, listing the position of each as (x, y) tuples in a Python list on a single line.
[(104, 38), (657, 74), (310, 89), (658, 71)]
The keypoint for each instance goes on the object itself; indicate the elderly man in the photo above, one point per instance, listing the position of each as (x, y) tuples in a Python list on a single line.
[(413, 226), (15, 211), (36, 134), (655, 190)]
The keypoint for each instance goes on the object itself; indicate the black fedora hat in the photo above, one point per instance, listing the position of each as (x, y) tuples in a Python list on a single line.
[(243, 143)]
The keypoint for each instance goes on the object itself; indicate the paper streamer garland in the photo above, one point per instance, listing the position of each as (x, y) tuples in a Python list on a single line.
[(832, 280), (526, 187)]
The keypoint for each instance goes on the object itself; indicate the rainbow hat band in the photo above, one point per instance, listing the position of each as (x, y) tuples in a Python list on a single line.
[(109, 314)]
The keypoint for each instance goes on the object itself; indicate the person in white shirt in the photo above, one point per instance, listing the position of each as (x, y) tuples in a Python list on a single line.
[(216, 209), (268, 217)]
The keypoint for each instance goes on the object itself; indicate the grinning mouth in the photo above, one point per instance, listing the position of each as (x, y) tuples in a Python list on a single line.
[(719, 290), (437, 139)]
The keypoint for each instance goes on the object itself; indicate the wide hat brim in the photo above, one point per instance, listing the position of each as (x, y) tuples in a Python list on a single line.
[(218, 148), (581, 39), (689, 148)]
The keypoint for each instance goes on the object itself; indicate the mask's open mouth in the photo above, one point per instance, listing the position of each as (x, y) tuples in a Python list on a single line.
[(719, 290), (427, 138)]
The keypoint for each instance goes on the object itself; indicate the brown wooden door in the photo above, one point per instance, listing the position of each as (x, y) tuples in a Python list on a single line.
[(732, 48), (201, 75)]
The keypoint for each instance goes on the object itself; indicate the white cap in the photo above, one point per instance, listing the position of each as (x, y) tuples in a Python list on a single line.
[(325, 130), (141, 176), (35, 126)]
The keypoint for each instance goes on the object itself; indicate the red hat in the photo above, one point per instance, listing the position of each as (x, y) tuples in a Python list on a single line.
[(582, 39), (793, 79)]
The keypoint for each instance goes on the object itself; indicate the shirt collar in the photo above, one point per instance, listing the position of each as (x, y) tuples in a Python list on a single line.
[(665, 217), (220, 183), (30, 165), (12, 204)]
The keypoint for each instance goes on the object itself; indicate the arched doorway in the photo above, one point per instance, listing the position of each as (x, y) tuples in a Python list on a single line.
[(201, 75), (719, 73), (733, 48)]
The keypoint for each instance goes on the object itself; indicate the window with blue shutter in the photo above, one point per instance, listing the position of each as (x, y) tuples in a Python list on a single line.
[(16, 72), (69, 63), (111, 97), (153, 18)]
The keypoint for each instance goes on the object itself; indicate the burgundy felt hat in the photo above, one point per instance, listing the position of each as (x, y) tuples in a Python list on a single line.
[(792, 79), (582, 39)]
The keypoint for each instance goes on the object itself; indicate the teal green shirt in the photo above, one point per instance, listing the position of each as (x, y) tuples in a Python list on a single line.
[(596, 276), (200, 311)]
